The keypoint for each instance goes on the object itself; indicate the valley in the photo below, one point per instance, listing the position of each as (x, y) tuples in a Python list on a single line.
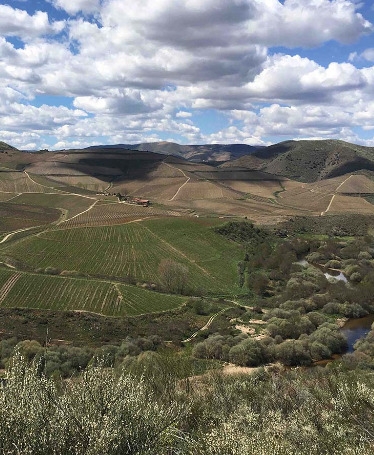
[(74, 237)]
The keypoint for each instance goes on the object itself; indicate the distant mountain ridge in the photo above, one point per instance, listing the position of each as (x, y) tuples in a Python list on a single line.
[(196, 153), (303, 160), (308, 160)]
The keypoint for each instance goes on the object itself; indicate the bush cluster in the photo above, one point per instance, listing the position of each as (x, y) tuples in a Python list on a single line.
[(104, 412), (65, 361), (297, 342)]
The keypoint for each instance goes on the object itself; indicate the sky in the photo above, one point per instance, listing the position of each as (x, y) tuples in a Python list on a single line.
[(75, 73)]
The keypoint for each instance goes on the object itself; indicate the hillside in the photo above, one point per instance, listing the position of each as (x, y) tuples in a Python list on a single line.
[(5, 147), (196, 153), (264, 186), (309, 160)]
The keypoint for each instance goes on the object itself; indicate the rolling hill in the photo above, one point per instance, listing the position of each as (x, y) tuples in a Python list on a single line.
[(308, 160), (196, 153), (265, 186), (71, 225)]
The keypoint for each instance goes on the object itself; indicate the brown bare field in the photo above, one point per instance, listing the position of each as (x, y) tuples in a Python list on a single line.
[(357, 184), (59, 168), (259, 188), (254, 210), (289, 185), (305, 198), (19, 182), (166, 170), (349, 204), (202, 190), (352, 184), (83, 181), (16, 216), (170, 181), (158, 189)]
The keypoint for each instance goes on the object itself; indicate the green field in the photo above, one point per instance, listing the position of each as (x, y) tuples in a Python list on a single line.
[(136, 250), (63, 293)]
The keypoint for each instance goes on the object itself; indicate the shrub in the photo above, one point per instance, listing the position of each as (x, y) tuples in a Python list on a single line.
[(365, 255), (333, 264), (356, 277), (96, 414), (332, 308), (248, 353), (330, 336), (173, 276), (293, 352)]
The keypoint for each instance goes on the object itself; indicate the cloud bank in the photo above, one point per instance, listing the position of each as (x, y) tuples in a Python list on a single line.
[(90, 71)]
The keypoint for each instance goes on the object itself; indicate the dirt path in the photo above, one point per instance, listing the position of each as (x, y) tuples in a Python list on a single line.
[(207, 325), (78, 214), (13, 197), (333, 197), (16, 232), (183, 184), (232, 369), (67, 193)]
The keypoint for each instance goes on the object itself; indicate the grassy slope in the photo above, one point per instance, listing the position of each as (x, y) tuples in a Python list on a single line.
[(64, 293), (136, 250)]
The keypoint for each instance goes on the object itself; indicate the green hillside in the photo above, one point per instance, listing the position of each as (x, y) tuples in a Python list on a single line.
[(134, 252), (63, 293)]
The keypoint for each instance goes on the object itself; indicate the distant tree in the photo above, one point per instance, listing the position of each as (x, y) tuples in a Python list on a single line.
[(258, 282), (293, 352), (173, 276)]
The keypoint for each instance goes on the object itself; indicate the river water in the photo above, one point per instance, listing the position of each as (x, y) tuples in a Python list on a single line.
[(354, 329)]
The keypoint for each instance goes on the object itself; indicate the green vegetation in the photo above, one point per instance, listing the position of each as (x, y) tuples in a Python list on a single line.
[(147, 408), (292, 307), (243, 232), (134, 251), (331, 226), (65, 293), (81, 328)]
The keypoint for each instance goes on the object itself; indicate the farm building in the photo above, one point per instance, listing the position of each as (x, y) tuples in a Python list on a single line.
[(139, 201)]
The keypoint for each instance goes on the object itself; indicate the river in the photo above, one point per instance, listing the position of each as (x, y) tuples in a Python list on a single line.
[(354, 329)]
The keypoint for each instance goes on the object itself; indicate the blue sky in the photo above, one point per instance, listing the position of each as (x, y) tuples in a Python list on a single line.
[(84, 72)]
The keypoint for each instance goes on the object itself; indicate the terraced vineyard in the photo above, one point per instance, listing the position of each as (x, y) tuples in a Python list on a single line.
[(20, 182), (116, 213), (4, 197), (62, 293), (71, 204), (19, 216), (136, 250)]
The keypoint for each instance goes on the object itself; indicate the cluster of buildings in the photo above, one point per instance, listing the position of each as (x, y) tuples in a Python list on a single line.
[(128, 199)]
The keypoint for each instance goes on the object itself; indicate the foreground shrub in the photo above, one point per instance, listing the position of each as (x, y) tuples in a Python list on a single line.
[(275, 412), (97, 413)]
